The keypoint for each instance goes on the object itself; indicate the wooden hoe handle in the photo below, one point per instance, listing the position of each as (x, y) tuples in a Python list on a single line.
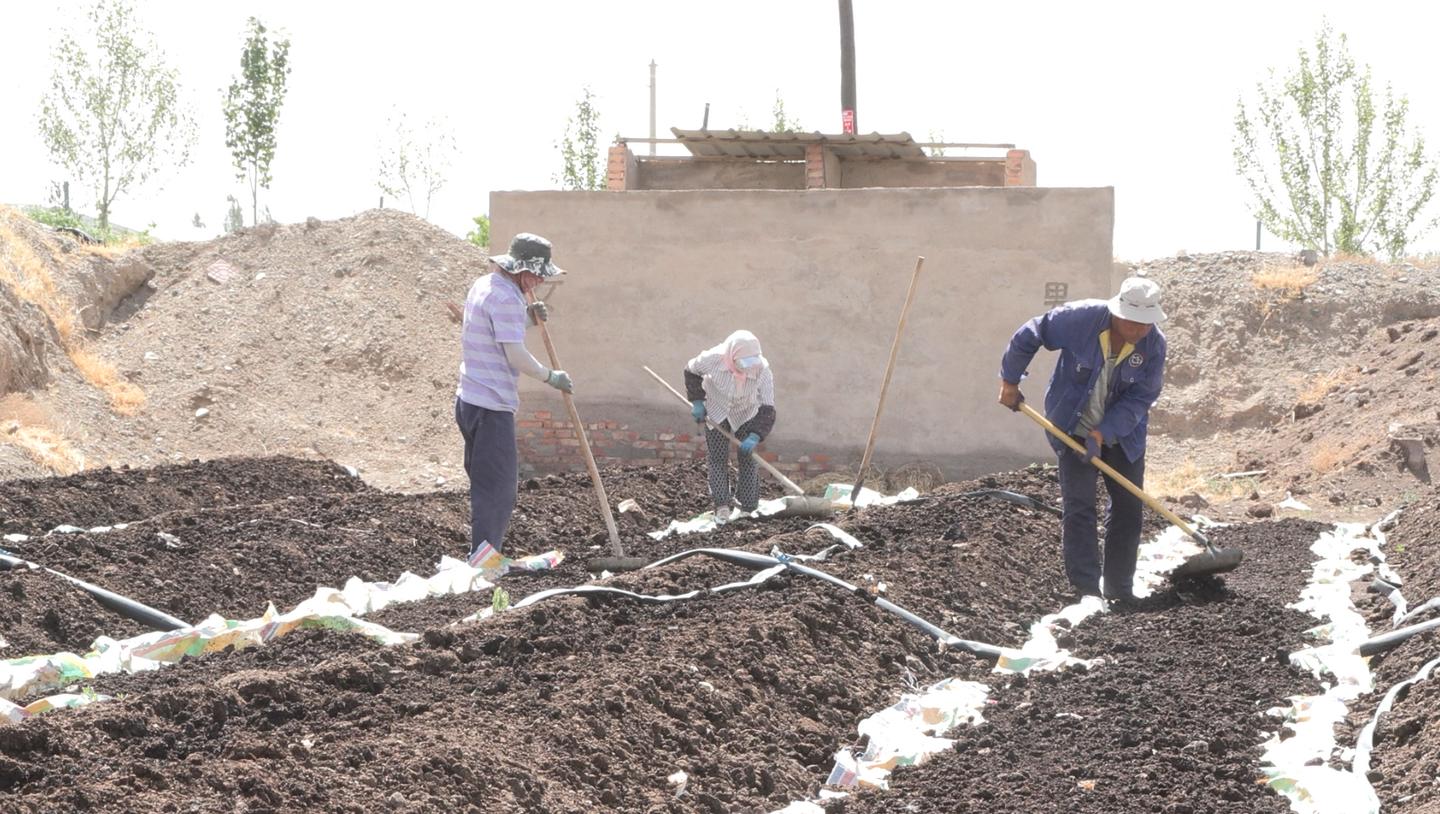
[(1110, 471), (584, 442)]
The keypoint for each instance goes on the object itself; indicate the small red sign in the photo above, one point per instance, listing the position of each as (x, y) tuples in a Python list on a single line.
[(847, 121)]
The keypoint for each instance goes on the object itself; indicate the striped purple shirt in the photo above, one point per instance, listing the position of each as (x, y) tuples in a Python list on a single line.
[(494, 314)]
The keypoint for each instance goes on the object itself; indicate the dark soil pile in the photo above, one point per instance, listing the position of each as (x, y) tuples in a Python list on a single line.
[(1407, 740), (1171, 721), (275, 532), (574, 704), (98, 497), (41, 613)]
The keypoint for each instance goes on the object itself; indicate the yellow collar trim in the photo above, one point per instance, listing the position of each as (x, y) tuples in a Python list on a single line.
[(1105, 348)]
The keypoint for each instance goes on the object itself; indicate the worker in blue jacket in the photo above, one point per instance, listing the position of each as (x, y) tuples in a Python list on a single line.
[(1112, 360)]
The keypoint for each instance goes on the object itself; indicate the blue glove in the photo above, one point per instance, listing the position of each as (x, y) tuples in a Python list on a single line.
[(1092, 447), (697, 410), (748, 445)]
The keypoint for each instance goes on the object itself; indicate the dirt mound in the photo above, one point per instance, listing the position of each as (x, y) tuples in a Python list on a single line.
[(1249, 332), (1359, 436), (55, 295), (322, 338), (1257, 341)]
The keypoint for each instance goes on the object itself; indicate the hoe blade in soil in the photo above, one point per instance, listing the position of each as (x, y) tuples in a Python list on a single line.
[(1208, 562)]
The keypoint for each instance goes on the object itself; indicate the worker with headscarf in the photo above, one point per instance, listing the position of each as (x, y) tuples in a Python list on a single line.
[(733, 386)]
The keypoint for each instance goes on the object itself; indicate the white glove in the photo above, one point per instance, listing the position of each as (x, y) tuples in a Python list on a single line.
[(539, 311)]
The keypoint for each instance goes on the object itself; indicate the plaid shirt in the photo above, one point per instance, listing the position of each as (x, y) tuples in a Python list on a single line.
[(723, 400)]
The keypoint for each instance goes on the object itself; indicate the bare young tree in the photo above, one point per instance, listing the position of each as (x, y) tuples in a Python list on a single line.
[(413, 165)]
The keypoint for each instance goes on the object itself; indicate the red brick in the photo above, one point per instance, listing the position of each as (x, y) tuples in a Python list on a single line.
[(542, 414), (820, 459), (528, 425)]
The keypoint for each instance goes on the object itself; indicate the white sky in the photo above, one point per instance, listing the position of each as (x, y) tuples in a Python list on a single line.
[(1139, 96)]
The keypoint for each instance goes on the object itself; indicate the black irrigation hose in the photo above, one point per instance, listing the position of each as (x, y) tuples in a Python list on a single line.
[(1393, 639), (1392, 594), (761, 562), (1421, 610), (1016, 498), (981, 649), (129, 608)]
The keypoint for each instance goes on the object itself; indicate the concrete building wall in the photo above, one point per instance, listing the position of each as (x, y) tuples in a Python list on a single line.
[(820, 277), (690, 173), (862, 172)]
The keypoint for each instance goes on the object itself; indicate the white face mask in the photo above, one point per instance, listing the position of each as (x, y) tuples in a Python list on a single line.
[(747, 362)]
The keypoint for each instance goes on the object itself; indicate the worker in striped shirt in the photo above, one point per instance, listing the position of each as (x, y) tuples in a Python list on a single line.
[(731, 383), (493, 357)]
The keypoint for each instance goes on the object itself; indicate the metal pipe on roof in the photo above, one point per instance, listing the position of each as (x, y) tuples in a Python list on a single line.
[(848, 121)]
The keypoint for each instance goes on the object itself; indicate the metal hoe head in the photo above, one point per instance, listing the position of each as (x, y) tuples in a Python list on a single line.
[(1210, 561)]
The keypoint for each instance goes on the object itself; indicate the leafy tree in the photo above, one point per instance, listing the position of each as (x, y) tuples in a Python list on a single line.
[(580, 150), (112, 116), (1332, 167), (412, 165), (480, 235), (252, 109), (783, 124)]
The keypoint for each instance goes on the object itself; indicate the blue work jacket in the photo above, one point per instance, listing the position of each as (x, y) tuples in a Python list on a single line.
[(1074, 329)]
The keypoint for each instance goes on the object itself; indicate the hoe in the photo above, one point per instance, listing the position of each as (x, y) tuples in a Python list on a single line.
[(1212, 560)]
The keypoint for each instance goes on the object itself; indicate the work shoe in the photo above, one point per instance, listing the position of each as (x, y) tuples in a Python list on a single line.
[(1125, 600), (722, 515)]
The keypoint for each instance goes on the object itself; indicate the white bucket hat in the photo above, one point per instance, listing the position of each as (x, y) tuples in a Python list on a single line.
[(1138, 301)]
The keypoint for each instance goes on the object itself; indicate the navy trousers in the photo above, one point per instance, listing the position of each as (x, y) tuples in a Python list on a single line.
[(493, 464), (1079, 533)]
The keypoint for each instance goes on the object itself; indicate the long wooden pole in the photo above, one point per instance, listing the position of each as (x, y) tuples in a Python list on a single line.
[(889, 369), (1115, 476), (784, 481), (600, 495)]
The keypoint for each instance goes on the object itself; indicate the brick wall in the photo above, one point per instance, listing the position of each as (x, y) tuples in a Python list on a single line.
[(548, 444), (619, 168)]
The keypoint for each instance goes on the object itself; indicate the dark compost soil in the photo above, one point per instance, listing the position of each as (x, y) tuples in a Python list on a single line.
[(1171, 722), (1406, 756), (578, 704)]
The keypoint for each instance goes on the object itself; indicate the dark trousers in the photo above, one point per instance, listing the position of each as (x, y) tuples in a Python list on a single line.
[(493, 464), (1122, 522), (717, 465)]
